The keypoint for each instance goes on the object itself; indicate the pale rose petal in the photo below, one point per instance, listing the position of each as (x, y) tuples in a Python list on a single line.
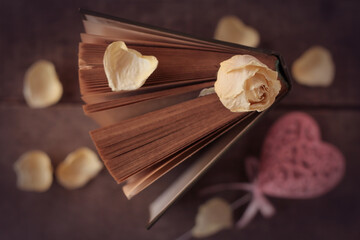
[(34, 171), (78, 168), (229, 84), (314, 68), (213, 216), (239, 61), (232, 29), (42, 87), (268, 73), (127, 69)]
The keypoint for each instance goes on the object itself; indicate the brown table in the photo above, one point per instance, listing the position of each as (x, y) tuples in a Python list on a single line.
[(32, 30)]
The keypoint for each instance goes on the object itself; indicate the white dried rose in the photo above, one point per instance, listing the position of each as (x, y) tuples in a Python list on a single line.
[(315, 67), (232, 29), (34, 171), (246, 84), (212, 217), (127, 69), (78, 168), (42, 87)]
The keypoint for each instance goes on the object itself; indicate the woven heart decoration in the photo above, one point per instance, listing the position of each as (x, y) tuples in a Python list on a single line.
[(294, 163)]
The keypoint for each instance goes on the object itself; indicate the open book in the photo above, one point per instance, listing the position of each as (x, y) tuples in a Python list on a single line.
[(146, 132)]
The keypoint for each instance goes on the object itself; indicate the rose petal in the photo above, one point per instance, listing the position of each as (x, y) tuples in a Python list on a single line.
[(127, 69), (213, 216), (232, 29), (314, 68), (42, 87), (78, 168), (34, 171)]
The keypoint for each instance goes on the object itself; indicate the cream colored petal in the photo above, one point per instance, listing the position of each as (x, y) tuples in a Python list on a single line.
[(272, 90), (240, 61), (42, 87), (229, 84), (237, 104), (34, 171), (78, 168), (212, 217), (315, 67), (266, 72), (256, 88), (127, 69), (232, 29), (274, 86)]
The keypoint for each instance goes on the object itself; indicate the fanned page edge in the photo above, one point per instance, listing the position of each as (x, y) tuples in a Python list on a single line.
[(136, 185)]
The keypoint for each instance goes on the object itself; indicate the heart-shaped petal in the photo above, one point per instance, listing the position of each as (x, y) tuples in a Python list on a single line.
[(232, 29), (295, 163), (78, 168), (34, 171), (42, 87), (127, 69), (314, 68), (213, 216)]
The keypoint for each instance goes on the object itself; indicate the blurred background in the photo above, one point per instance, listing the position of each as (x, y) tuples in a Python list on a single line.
[(33, 30)]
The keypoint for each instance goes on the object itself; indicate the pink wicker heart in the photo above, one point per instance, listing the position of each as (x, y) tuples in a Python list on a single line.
[(295, 163)]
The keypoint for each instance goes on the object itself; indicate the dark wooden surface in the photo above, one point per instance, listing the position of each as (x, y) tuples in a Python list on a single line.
[(32, 30)]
